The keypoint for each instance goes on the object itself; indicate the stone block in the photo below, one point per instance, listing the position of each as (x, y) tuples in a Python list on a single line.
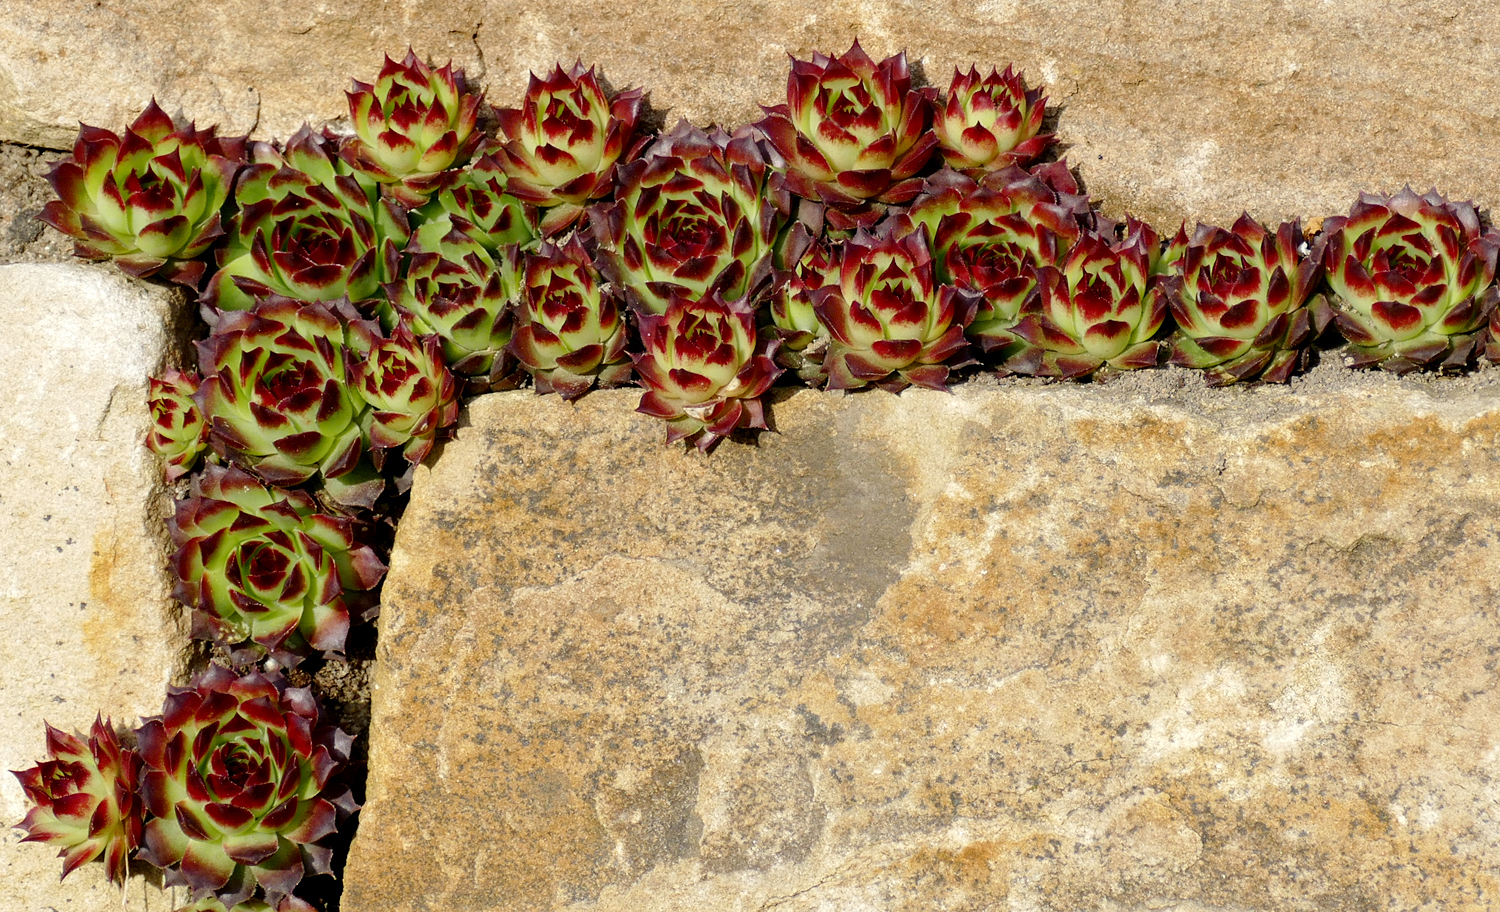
[(1176, 109), (1025, 646), (84, 594)]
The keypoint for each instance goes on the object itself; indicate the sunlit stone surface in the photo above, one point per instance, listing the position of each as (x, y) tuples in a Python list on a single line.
[(1021, 647), (87, 623)]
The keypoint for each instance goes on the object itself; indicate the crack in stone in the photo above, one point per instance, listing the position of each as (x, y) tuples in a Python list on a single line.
[(1444, 725), (256, 121), (783, 900), (109, 408), (483, 64)]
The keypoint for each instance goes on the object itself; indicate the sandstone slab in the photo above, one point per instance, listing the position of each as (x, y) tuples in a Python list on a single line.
[(1038, 647), (1173, 109), (84, 599)]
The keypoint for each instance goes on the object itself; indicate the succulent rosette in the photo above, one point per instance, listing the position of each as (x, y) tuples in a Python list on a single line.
[(178, 434), (704, 369), (241, 777), (306, 229), (266, 566), (276, 391), (990, 236), (571, 329), (561, 145), (411, 392), (807, 264), (852, 131), (459, 291), (477, 203), (697, 213), (1413, 279), (991, 122), (83, 800), (151, 200), (1242, 301), (890, 323), (1101, 309), (412, 127)]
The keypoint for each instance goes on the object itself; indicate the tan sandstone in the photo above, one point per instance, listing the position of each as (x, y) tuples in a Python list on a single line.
[(1022, 647), (1173, 108), (84, 601)]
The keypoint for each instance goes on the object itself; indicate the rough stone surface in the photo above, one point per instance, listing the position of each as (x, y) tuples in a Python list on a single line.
[(84, 601), (1173, 108), (1028, 647)]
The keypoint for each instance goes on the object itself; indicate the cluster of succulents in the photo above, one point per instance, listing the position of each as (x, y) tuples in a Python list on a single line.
[(865, 232), (878, 232), (233, 792)]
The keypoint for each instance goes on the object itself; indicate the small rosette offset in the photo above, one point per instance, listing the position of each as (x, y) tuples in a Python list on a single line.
[(285, 904), (242, 781), (264, 566), (990, 236), (704, 369), (1100, 310), (276, 391), (1242, 299), (476, 203), (1413, 280), (571, 330), (559, 148), (852, 132), (807, 263), (83, 800), (306, 229), (464, 294), (890, 323), (411, 393), (151, 200), (698, 213), (992, 122), (412, 126), (179, 433)]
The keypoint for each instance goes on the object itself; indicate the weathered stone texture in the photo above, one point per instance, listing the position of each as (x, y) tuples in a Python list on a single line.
[(1021, 647), (88, 624), (1174, 108)]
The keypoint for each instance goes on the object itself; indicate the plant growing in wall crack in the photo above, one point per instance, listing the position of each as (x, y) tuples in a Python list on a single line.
[(865, 232)]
